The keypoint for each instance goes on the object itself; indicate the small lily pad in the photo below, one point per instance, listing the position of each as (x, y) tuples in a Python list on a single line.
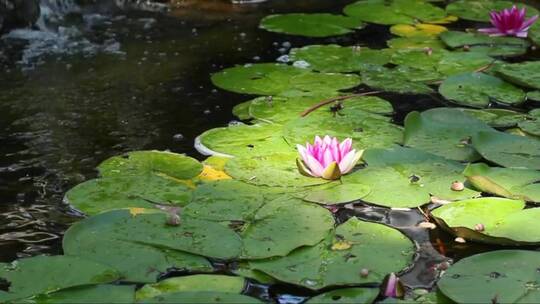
[(346, 295), (280, 79), (492, 46), (415, 42), (508, 150), (505, 276), (311, 25), (479, 90), (45, 274), (397, 80), (443, 131), (525, 74), (335, 58), (375, 247), (192, 283), (507, 182), (419, 29), (394, 12)]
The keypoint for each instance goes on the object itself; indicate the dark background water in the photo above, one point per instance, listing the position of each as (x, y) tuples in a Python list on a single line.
[(61, 115)]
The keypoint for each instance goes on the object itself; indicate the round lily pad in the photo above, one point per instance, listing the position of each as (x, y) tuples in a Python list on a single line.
[(311, 25), (413, 177), (201, 297), (508, 150), (346, 295), (419, 29), (169, 164), (241, 110), (497, 118), (399, 80), (492, 46), (525, 74), (533, 95), (502, 276), (102, 294), (394, 12), (353, 246), (478, 10), (507, 182), (502, 221), (280, 79), (443, 131), (335, 58), (193, 283), (144, 191), (479, 90), (531, 126), (342, 193), (45, 274)]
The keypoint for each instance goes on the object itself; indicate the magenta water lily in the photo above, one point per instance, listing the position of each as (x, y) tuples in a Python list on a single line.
[(509, 22), (327, 158)]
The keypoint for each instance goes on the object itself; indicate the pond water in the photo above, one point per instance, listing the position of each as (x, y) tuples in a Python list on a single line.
[(95, 85)]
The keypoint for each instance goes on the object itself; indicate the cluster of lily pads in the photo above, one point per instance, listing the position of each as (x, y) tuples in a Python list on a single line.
[(248, 209)]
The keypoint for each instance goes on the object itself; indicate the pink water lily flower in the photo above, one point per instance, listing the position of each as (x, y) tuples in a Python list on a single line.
[(509, 22), (392, 286), (327, 158)]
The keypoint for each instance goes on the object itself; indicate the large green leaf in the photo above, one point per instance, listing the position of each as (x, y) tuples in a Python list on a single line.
[(502, 276), (346, 295), (335, 58), (525, 74), (150, 228), (151, 162), (102, 294), (145, 191), (497, 118), (354, 245), (193, 283), (506, 182), (503, 221), (311, 25), (492, 46), (479, 90), (414, 176), (394, 12), (280, 79), (45, 274), (443, 131), (401, 80), (508, 150), (478, 10), (201, 297)]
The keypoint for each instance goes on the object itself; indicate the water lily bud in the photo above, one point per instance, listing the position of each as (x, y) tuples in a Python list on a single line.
[(173, 219), (443, 266), (479, 227), (457, 186), (364, 272)]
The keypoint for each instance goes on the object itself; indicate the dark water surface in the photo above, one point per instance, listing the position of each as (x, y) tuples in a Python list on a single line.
[(61, 115)]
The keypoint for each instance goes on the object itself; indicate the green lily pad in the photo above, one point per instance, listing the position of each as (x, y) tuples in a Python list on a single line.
[(492, 46), (413, 175), (507, 182), (45, 274), (311, 25), (346, 295), (399, 80), (275, 170), (479, 90), (478, 10), (150, 228), (244, 140), (525, 74), (503, 221), (497, 118), (241, 110), (202, 297), (508, 150), (443, 131), (531, 126), (105, 294), (367, 131), (504, 276), (281, 79), (342, 193), (415, 42), (533, 95), (394, 12), (335, 58), (534, 33), (144, 191), (151, 162), (375, 247), (193, 283), (417, 30)]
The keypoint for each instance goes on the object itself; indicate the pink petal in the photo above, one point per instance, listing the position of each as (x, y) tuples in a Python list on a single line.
[(345, 147), (529, 22), (390, 290), (346, 163), (314, 166), (328, 159), (327, 140), (303, 152)]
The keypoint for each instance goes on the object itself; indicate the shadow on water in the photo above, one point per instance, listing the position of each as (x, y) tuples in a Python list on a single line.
[(139, 80)]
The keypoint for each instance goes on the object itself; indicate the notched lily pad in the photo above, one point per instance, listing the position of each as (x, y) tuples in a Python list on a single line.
[(311, 25)]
